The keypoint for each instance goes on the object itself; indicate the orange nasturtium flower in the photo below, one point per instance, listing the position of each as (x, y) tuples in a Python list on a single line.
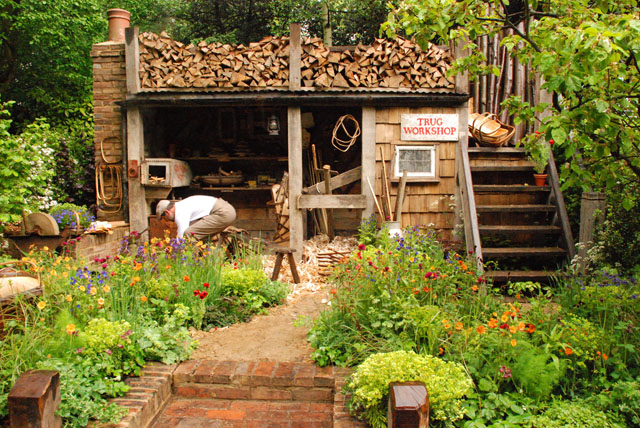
[(514, 342), (568, 351), (458, 325), (137, 266), (100, 301), (480, 329), (134, 280), (68, 298), (446, 324), (186, 278), (521, 326), (493, 323), (513, 329), (474, 287), (531, 328), (143, 298)]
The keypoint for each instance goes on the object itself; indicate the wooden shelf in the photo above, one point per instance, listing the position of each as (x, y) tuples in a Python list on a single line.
[(232, 189), (238, 158)]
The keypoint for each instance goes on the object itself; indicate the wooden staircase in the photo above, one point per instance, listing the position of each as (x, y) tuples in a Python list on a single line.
[(521, 231)]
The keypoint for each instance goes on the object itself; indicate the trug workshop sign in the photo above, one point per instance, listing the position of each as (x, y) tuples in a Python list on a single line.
[(429, 127)]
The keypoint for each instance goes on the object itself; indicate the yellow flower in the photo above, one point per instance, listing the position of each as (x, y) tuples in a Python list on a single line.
[(106, 288), (504, 318), (143, 298), (67, 258), (521, 326), (81, 288), (101, 301), (514, 342), (93, 291), (45, 248), (513, 329), (68, 298), (42, 304), (71, 328)]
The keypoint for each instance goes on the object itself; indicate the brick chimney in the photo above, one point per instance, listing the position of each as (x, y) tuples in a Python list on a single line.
[(110, 87)]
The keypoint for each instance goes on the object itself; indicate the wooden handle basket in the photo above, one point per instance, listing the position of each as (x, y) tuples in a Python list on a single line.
[(488, 130)]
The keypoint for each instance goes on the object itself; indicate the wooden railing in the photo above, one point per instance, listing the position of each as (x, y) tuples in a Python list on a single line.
[(470, 215), (561, 208)]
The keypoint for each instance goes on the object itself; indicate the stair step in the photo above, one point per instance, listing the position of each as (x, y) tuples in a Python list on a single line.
[(263, 380), (514, 208), (184, 412), (509, 188), (497, 151), (501, 168), (523, 251), (519, 229), (500, 276)]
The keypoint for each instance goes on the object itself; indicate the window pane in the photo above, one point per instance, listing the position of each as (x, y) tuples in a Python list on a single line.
[(415, 160)]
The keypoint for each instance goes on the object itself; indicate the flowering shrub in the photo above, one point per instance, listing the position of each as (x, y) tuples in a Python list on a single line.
[(65, 216), (102, 319), (446, 384)]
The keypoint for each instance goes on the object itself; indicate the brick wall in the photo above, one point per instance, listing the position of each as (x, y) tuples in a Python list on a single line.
[(94, 246), (109, 87)]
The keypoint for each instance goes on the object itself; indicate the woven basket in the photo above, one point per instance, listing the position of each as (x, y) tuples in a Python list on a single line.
[(488, 130)]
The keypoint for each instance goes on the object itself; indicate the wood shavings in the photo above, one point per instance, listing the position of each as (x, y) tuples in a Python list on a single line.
[(313, 267)]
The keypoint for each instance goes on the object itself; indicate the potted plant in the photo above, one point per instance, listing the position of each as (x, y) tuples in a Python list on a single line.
[(72, 219), (539, 152)]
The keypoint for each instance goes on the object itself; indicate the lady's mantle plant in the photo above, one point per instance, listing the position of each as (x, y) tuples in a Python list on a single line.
[(446, 382)]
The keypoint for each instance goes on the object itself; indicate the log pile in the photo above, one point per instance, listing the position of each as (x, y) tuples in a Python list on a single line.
[(400, 63), (328, 258)]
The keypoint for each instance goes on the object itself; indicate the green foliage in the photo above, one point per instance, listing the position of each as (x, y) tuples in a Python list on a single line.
[(82, 390), (493, 410), (623, 398), (539, 152), (446, 384), (585, 54), (571, 414), (536, 371), (619, 235), (27, 168)]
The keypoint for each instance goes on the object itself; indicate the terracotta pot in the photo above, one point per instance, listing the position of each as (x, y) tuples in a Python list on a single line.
[(119, 19), (541, 179)]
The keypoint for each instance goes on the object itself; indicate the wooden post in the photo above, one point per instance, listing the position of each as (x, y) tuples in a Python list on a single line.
[(400, 197), (138, 211), (294, 56), (33, 400), (327, 190), (132, 59), (368, 156), (408, 405), (296, 219), (592, 209)]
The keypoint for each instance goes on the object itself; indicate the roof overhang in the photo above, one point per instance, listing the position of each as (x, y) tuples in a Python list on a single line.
[(302, 98)]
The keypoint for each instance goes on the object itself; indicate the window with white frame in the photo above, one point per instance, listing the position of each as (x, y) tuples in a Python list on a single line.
[(420, 162)]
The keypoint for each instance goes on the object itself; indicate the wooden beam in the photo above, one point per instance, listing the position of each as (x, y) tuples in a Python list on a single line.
[(296, 219), (138, 211), (368, 156), (336, 182), (294, 57), (132, 59), (332, 201)]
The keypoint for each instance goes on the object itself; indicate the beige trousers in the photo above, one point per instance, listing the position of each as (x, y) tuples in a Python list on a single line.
[(222, 215)]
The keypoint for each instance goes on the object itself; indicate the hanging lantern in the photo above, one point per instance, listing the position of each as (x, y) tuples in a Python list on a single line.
[(273, 125)]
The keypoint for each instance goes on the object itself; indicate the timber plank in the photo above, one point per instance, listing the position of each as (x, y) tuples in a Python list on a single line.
[(523, 251)]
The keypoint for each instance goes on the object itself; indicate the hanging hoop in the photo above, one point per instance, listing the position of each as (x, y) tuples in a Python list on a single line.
[(344, 145)]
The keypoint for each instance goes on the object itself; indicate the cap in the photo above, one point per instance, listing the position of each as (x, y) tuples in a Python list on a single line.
[(161, 207)]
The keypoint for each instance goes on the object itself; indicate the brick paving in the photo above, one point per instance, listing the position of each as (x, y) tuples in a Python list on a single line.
[(236, 394)]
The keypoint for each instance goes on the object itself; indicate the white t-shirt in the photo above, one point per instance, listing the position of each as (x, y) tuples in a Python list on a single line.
[(191, 209)]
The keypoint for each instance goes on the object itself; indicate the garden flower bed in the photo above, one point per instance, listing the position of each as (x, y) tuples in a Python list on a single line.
[(400, 306), (99, 321)]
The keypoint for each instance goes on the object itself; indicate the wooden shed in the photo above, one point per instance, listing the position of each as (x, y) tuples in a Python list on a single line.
[(184, 115)]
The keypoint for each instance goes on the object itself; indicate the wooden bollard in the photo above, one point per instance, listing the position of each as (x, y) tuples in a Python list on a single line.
[(33, 400), (408, 405)]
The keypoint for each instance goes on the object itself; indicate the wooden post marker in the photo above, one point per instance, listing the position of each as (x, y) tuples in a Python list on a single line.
[(33, 400), (408, 405)]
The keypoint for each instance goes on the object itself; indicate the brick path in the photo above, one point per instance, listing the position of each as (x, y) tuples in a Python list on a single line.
[(232, 394)]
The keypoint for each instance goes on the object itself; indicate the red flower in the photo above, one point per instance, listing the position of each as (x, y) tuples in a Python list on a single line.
[(504, 326), (203, 294), (196, 292), (551, 142), (362, 247), (205, 285)]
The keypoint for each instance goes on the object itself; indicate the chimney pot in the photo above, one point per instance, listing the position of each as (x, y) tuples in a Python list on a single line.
[(119, 19)]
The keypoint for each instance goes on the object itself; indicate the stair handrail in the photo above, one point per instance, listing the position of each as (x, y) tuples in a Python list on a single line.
[(470, 214), (561, 208)]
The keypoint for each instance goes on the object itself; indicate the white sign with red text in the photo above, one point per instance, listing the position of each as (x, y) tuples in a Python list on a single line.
[(429, 127)]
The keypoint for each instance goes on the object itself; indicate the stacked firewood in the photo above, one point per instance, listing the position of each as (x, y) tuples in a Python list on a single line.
[(400, 63)]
